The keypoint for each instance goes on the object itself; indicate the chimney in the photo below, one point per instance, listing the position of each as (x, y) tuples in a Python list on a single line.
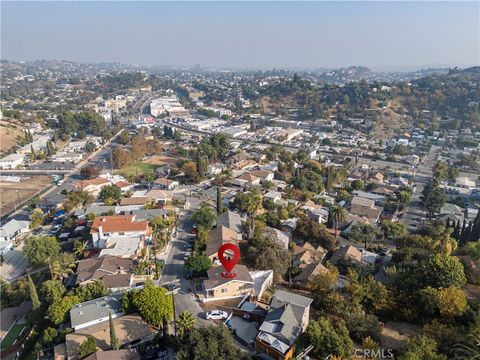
[(100, 231)]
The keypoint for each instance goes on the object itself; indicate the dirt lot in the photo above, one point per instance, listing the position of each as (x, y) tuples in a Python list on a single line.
[(394, 333), (9, 130), (389, 123), (27, 187)]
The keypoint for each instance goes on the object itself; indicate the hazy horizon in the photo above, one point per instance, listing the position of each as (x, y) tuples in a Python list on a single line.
[(393, 36)]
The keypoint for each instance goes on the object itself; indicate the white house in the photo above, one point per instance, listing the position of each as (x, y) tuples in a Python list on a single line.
[(8, 233), (165, 184), (104, 227), (12, 161), (95, 311)]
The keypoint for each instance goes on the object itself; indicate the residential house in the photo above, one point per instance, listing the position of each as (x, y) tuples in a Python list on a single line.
[(278, 236), (115, 272), (123, 246), (247, 180), (232, 221), (12, 161), (263, 174), (9, 232), (308, 254), (130, 329), (274, 196), (93, 186), (124, 354), (286, 320), (95, 311), (160, 197), (165, 184), (218, 287), (377, 177), (138, 201), (346, 253), (289, 225), (216, 238), (104, 227), (308, 273), (239, 160), (214, 169), (365, 207), (124, 186)]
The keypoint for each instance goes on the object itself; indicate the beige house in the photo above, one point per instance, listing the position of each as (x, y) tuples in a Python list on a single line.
[(364, 207), (217, 287), (93, 186)]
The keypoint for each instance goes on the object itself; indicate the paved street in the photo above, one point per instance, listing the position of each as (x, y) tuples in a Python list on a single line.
[(173, 271), (414, 210)]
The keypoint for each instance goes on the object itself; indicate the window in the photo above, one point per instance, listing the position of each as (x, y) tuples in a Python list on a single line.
[(224, 290)]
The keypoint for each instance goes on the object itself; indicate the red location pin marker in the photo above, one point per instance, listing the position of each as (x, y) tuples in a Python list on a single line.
[(230, 259)]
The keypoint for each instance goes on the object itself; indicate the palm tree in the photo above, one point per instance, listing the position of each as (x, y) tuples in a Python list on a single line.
[(469, 349), (61, 266), (79, 248), (337, 214), (185, 322)]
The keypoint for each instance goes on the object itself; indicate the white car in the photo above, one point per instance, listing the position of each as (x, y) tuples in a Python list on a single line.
[(216, 315)]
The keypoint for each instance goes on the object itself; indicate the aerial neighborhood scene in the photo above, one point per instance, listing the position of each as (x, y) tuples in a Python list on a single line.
[(240, 180)]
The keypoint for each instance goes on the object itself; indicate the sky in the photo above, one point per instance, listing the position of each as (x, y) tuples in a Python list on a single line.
[(381, 35)]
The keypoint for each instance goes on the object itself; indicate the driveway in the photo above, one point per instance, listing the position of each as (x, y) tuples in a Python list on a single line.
[(14, 264)]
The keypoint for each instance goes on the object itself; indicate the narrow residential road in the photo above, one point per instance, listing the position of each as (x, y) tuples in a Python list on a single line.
[(414, 209), (173, 271)]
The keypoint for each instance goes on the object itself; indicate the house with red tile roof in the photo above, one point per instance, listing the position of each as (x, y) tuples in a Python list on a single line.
[(104, 227)]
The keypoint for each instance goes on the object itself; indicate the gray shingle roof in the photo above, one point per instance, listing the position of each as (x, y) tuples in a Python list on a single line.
[(95, 309), (230, 220)]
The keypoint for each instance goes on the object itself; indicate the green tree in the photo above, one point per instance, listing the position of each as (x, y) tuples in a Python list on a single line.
[(36, 218), (198, 265), (185, 323), (328, 339), (49, 336), (59, 309), (205, 216), (392, 229), (92, 290), (212, 342), (39, 249), (421, 348), (338, 215), (62, 265), (50, 149), (110, 192), (113, 335), (87, 347), (433, 197), (153, 304), (264, 253), (442, 271), (313, 231), (52, 291), (365, 233), (33, 294)]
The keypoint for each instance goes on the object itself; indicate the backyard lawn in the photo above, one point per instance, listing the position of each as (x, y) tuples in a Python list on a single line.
[(138, 169), (12, 335)]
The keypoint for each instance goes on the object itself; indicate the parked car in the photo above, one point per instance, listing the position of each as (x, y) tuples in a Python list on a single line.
[(216, 315)]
